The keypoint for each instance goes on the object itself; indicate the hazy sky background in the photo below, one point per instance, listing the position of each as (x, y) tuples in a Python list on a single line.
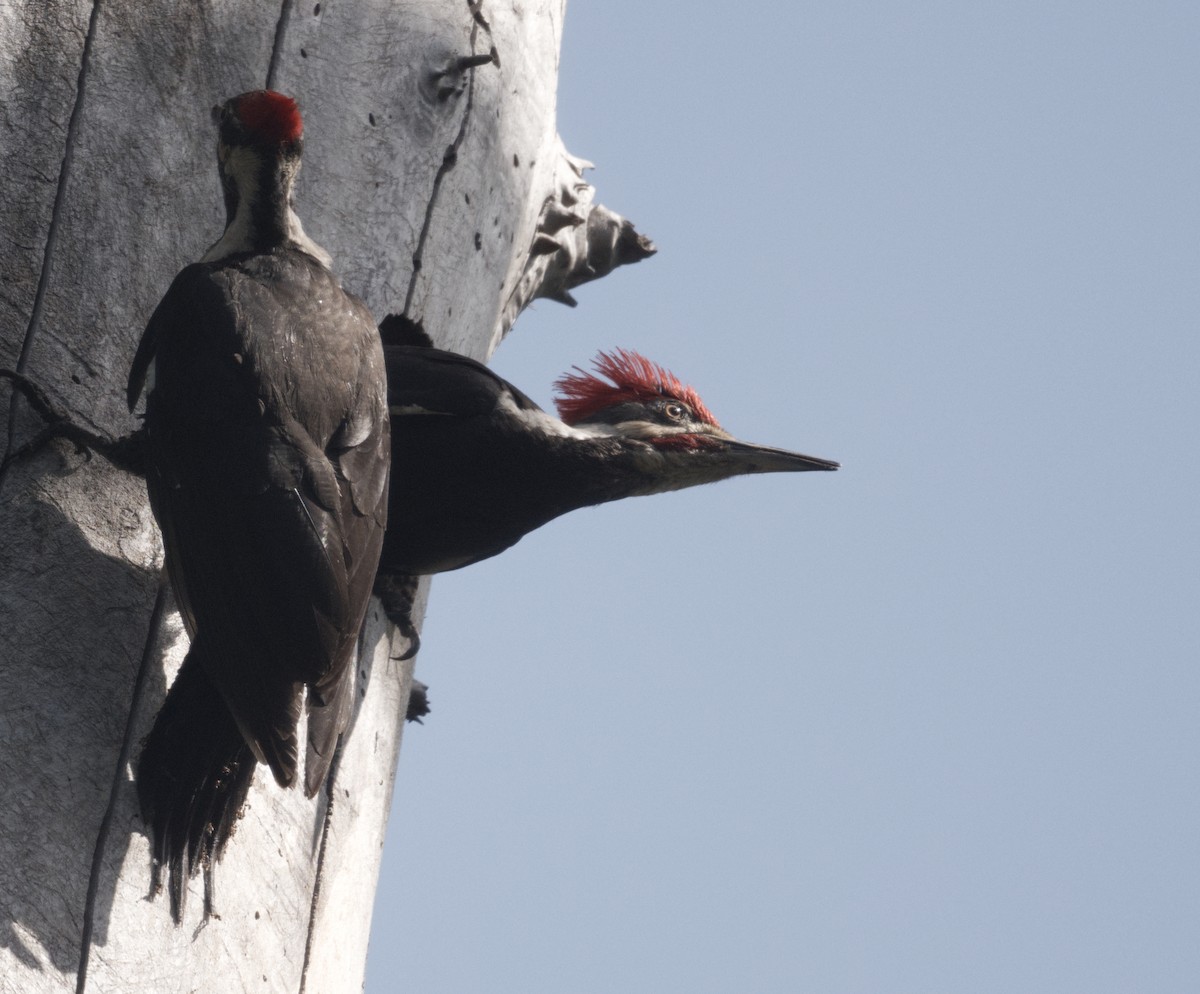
[(928, 724)]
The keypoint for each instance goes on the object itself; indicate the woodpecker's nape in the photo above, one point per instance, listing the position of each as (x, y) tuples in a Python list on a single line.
[(267, 459), (483, 465)]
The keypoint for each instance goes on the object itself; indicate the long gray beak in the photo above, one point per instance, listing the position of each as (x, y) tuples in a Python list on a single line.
[(764, 459)]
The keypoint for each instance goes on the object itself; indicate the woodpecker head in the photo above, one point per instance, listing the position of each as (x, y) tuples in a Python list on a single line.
[(257, 131), (264, 118), (260, 139), (679, 440)]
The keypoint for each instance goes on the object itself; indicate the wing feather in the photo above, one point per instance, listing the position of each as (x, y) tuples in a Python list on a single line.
[(272, 512)]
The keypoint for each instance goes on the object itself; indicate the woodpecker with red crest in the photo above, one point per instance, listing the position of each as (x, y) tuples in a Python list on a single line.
[(484, 465), (266, 451)]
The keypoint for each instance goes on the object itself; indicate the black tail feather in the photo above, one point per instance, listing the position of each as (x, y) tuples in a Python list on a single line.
[(192, 779)]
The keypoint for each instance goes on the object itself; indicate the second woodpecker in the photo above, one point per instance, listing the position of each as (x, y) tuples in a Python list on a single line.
[(484, 465)]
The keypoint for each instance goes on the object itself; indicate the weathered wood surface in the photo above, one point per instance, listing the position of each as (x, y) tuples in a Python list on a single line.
[(438, 187)]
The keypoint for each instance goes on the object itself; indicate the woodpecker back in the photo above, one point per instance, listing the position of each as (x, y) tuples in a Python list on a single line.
[(268, 439)]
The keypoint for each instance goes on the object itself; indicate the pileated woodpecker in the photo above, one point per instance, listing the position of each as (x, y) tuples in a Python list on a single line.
[(484, 465), (266, 452)]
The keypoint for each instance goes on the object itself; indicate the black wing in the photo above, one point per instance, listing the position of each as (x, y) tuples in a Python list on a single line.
[(270, 449), (428, 381)]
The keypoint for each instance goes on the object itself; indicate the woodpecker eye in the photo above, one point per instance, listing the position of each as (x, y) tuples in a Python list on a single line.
[(674, 411)]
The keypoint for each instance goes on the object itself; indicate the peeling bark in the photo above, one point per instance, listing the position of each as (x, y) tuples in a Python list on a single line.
[(576, 241), (434, 176)]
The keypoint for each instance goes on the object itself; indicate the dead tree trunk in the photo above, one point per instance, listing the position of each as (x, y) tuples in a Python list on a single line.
[(434, 175)]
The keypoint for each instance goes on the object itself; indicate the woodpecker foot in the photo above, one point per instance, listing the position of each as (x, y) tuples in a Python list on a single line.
[(418, 702), (127, 452), (397, 592)]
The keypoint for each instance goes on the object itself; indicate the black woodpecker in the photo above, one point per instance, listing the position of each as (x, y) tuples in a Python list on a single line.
[(484, 465), (267, 454)]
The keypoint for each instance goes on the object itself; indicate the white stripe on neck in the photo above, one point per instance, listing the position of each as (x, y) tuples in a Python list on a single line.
[(243, 165)]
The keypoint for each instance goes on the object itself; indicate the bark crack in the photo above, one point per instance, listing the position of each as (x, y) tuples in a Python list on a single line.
[(285, 12), (60, 193), (450, 158), (327, 821), (139, 685)]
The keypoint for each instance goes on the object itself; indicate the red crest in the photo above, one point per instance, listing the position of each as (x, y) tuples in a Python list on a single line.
[(630, 378), (270, 116)]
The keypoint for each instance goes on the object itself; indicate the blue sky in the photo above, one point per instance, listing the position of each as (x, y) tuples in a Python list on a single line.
[(928, 724)]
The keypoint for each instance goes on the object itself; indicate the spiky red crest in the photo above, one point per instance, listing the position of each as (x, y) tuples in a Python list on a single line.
[(634, 378), (270, 116)]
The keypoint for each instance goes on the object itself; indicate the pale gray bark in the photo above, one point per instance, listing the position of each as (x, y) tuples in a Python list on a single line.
[(438, 186)]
